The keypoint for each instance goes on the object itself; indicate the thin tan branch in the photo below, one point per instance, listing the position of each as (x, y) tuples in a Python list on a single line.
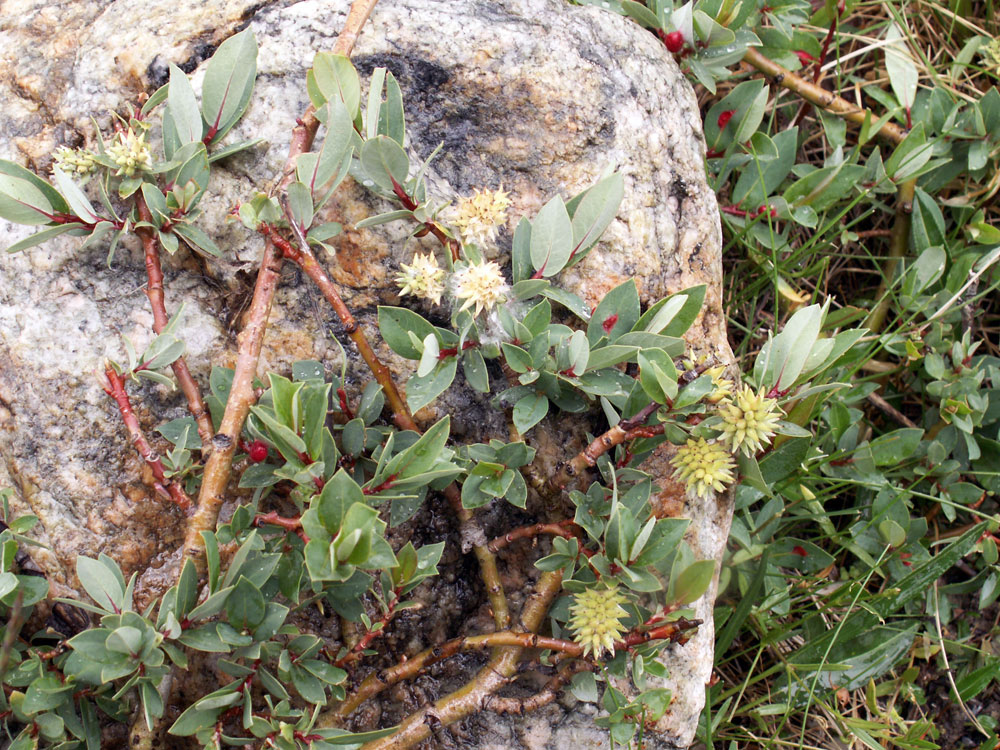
[(587, 458), (242, 396), (566, 529), (551, 691), (821, 97), (891, 410)]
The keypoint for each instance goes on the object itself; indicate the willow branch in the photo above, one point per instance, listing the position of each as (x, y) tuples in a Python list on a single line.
[(566, 529), (154, 290), (377, 629), (819, 96), (467, 699), (587, 458), (898, 243), (477, 694), (518, 706), (242, 396), (472, 534), (168, 489)]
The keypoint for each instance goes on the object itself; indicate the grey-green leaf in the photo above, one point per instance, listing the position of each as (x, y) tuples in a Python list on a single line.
[(595, 212), (551, 238), (183, 107), (228, 83), (529, 411), (22, 202), (385, 162)]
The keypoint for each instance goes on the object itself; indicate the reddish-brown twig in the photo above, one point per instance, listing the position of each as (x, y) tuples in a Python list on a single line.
[(377, 629), (170, 490), (587, 458), (289, 524), (304, 258), (626, 430), (154, 290), (454, 246), (566, 529)]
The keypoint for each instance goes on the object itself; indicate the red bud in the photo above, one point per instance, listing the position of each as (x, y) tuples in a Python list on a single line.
[(258, 451), (725, 117), (805, 58)]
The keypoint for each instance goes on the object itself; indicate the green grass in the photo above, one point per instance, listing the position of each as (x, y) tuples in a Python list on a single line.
[(933, 667)]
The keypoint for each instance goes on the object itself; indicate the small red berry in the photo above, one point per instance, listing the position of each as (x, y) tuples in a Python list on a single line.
[(609, 323), (674, 41), (258, 451), (725, 117)]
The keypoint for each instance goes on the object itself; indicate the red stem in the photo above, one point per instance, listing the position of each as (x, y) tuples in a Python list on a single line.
[(451, 351), (61, 218), (817, 74), (303, 257), (171, 490), (154, 290), (371, 635), (344, 406), (453, 245), (390, 480)]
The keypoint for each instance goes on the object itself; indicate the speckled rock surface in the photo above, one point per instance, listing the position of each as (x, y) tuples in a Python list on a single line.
[(539, 97)]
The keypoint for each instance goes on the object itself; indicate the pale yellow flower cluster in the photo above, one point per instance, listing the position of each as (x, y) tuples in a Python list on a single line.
[(422, 278), (75, 161), (748, 421), (131, 153), (596, 619), (481, 285), (704, 466), (478, 217)]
